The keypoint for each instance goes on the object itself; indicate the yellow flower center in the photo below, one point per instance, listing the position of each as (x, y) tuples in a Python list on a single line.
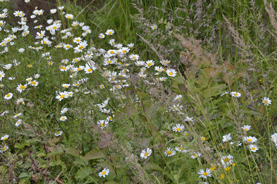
[(249, 140), (205, 174), (170, 73), (22, 87), (81, 47), (110, 32), (33, 83), (235, 94), (178, 129), (62, 96), (253, 148), (112, 52), (104, 172), (266, 102), (169, 152), (5, 138), (226, 160), (3, 149), (246, 129), (102, 124), (203, 138), (146, 154), (58, 132), (149, 64)]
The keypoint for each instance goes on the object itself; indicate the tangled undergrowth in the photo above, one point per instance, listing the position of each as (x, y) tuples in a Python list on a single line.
[(81, 107)]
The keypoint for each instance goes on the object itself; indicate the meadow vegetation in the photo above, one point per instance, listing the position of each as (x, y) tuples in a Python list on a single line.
[(138, 91)]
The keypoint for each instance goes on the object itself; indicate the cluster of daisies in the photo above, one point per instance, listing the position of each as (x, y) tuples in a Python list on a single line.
[(114, 62)]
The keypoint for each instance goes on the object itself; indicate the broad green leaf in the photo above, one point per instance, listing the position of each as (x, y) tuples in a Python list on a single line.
[(142, 94), (24, 175), (93, 154), (153, 166), (41, 154), (83, 172), (54, 153), (20, 146), (72, 151)]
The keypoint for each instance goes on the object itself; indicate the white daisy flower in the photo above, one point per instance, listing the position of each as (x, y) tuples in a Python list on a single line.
[(5, 137), (178, 128), (250, 139), (246, 128), (169, 152), (63, 118), (5, 148), (266, 101), (109, 32), (18, 122), (58, 133), (145, 153), (274, 137), (8, 96), (104, 172), (226, 160), (253, 148), (235, 94), (171, 72), (64, 110), (205, 174), (227, 138)]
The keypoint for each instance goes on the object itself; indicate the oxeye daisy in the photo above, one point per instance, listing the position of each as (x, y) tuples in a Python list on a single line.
[(169, 152), (205, 174), (63, 118), (266, 101), (178, 128), (5, 137), (171, 72), (235, 94), (189, 119), (65, 85), (33, 83), (250, 139), (20, 101), (69, 16), (104, 173), (59, 133), (5, 148), (246, 128), (18, 114), (154, 26), (8, 96), (274, 138), (109, 32), (226, 138), (64, 110), (253, 148), (145, 153), (61, 96), (101, 35), (102, 123), (226, 160), (195, 155), (18, 122)]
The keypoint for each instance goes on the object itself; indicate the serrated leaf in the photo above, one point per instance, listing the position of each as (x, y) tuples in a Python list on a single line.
[(41, 154), (73, 151), (153, 166), (54, 153), (142, 94), (83, 172), (20, 146), (24, 175), (93, 154)]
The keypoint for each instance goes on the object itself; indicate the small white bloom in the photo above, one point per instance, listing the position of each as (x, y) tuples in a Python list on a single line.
[(64, 110), (5, 137), (169, 152), (58, 133), (266, 101), (235, 94), (253, 148), (178, 128), (227, 138), (246, 128), (63, 118), (205, 174), (145, 153), (104, 173)]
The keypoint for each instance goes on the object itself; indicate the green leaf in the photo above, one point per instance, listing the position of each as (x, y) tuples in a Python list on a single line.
[(93, 154), (83, 172), (24, 175), (54, 153), (142, 94), (20, 146), (41, 154), (73, 151), (153, 166)]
